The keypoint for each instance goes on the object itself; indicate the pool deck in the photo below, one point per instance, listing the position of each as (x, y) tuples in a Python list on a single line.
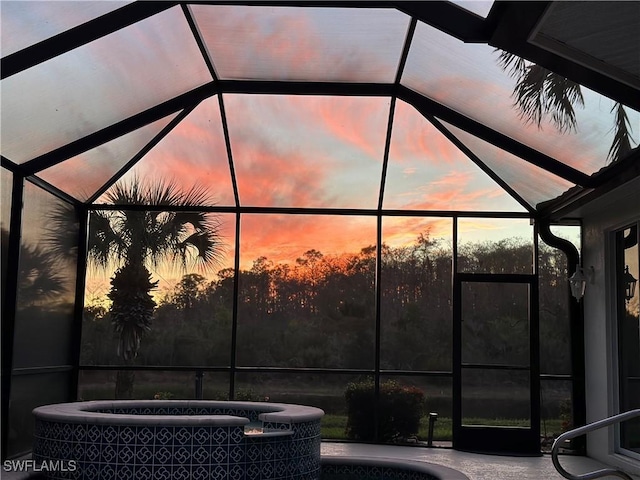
[(475, 466)]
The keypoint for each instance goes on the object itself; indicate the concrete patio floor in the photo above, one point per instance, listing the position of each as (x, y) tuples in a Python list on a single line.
[(475, 466)]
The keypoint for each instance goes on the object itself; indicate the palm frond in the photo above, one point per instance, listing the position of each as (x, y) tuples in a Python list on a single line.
[(103, 242), (540, 93), (155, 236), (622, 140), (61, 232), (514, 65), (560, 96), (196, 196), (163, 192), (40, 277), (529, 95), (209, 249)]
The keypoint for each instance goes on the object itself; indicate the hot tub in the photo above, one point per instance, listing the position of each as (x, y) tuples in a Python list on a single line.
[(177, 439)]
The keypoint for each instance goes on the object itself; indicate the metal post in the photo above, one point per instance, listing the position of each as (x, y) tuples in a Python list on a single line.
[(199, 380), (81, 273), (9, 302), (433, 417)]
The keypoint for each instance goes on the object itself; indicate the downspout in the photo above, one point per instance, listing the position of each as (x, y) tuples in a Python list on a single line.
[(576, 319)]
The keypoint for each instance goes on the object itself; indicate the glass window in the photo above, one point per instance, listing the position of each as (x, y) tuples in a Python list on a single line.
[(307, 296), (629, 333), (307, 151), (317, 44), (98, 84)]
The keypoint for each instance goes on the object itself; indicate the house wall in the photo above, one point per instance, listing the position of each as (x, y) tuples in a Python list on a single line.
[(613, 211)]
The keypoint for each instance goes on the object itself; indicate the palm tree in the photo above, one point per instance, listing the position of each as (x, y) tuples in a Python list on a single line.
[(40, 279), (541, 93), (136, 238)]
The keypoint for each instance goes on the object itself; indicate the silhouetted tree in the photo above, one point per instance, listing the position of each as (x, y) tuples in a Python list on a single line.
[(138, 237)]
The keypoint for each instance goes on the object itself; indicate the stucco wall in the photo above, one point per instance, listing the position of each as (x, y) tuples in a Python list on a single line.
[(600, 218)]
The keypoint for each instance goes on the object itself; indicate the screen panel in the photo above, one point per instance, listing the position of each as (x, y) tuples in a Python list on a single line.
[(27, 393), (315, 44), (307, 296), (193, 153), (192, 309), (26, 23), (98, 84), (81, 176), (470, 79), (426, 171), (307, 151), (416, 302), (46, 281), (496, 245)]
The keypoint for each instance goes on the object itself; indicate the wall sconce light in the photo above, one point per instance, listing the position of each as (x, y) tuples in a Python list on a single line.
[(629, 284), (578, 281)]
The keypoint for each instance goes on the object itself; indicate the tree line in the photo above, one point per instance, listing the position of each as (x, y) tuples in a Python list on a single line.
[(320, 311)]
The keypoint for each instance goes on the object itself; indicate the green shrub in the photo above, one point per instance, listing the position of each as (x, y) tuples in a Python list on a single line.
[(163, 396), (400, 409), (249, 395)]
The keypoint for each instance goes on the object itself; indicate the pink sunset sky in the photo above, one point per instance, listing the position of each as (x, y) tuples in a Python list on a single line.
[(289, 151)]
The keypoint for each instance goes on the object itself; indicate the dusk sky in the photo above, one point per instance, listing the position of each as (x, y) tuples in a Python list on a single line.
[(288, 151)]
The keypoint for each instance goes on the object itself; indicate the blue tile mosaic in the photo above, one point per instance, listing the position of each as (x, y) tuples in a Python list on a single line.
[(105, 451)]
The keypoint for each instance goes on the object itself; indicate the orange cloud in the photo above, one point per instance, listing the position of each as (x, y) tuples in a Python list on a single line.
[(403, 231), (358, 121), (284, 238), (414, 137), (266, 179), (193, 153), (456, 199), (287, 153)]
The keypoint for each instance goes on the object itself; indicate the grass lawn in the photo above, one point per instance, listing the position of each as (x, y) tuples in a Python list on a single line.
[(333, 427)]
